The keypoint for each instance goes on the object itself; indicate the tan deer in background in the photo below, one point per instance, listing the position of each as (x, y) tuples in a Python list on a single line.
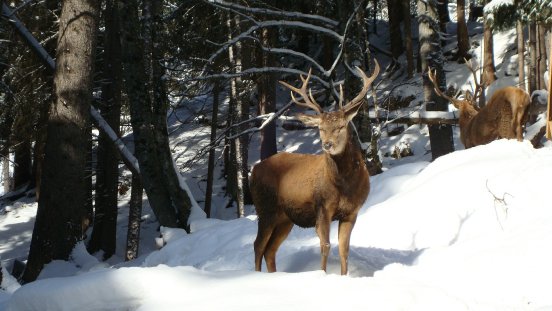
[(312, 190), (503, 116)]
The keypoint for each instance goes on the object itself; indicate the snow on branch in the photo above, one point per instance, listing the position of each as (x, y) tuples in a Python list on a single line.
[(252, 71), (265, 11), (272, 23)]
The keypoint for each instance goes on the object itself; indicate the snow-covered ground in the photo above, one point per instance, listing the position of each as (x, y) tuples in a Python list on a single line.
[(470, 231)]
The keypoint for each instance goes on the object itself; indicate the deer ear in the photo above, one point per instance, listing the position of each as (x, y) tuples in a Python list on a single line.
[(351, 113), (309, 119)]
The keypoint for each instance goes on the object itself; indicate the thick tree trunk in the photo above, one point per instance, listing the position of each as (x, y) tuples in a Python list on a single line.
[(180, 201), (107, 176), (58, 224), (462, 31), (395, 16), (521, 55), (148, 152), (432, 57), (489, 74), (266, 87), (409, 50)]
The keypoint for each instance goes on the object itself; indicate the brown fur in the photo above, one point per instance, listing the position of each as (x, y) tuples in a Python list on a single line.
[(312, 190), (502, 117)]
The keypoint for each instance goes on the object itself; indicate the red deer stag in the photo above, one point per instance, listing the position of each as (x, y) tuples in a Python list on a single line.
[(502, 117), (312, 190)]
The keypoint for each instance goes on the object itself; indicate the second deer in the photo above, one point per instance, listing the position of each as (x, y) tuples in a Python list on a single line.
[(312, 190), (503, 116)]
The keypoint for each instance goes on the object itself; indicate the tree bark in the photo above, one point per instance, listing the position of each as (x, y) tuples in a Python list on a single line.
[(432, 57), (395, 16), (212, 151), (541, 57), (58, 224), (409, 50), (134, 218), (148, 152), (521, 55), (531, 73), (266, 87), (180, 201), (489, 75), (462, 31), (107, 176)]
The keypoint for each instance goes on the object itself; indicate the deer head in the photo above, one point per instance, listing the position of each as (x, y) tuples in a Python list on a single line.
[(332, 125)]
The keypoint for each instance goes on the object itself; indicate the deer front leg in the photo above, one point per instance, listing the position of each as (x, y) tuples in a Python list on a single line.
[(323, 231), (344, 237)]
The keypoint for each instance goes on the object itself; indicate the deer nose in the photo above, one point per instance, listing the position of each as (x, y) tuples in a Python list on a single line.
[(327, 145)]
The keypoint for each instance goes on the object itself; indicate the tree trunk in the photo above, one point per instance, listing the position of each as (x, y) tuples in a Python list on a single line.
[(58, 224), (531, 73), (266, 87), (521, 55), (541, 57), (237, 174), (395, 15), (212, 150), (444, 17), (180, 201), (134, 217), (107, 176), (409, 50), (462, 31), (22, 163), (432, 57), (146, 149), (488, 57), (6, 172)]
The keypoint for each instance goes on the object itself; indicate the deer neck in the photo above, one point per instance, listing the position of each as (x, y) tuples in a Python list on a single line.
[(346, 164)]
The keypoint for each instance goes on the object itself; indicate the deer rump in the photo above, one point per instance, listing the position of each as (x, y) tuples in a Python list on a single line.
[(294, 187), (502, 117)]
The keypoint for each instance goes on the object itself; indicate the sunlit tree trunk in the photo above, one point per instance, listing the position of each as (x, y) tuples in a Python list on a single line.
[(432, 57), (489, 74), (58, 224)]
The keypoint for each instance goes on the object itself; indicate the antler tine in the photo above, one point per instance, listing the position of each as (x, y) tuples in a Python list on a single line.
[(431, 75), (341, 96), (308, 99), (479, 86), (367, 81)]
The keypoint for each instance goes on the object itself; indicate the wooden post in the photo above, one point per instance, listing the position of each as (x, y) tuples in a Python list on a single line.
[(549, 108)]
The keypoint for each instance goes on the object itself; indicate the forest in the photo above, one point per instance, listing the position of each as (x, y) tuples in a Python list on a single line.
[(168, 105)]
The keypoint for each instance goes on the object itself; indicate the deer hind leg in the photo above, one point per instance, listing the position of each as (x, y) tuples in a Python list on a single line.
[(344, 237), (279, 234), (518, 121), (264, 232)]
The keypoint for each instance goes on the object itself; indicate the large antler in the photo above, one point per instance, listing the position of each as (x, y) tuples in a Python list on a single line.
[(367, 81), (479, 86), (431, 75), (308, 99)]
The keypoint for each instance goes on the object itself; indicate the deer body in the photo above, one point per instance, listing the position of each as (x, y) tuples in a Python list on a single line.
[(312, 190), (503, 116)]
